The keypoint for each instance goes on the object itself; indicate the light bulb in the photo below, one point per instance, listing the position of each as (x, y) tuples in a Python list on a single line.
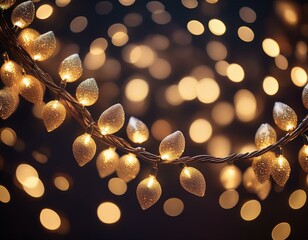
[(53, 115), (87, 92), (107, 162), (265, 136), (5, 4), (137, 131), (192, 180), (23, 14), (71, 68), (10, 73), (303, 158), (250, 181), (7, 103), (281, 170), (265, 190), (43, 46), (84, 149), (284, 116), (172, 146), (263, 165), (31, 89), (305, 96), (26, 38), (111, 120), (230, 177), (148, 192), (128, 167)]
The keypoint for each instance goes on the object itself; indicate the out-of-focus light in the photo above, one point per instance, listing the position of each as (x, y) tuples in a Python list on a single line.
[(119, 39), (50, 219), (108, 212), (117, 186), (94, 61), (270, 85), (5, 196), (245, 34), (212, 1), (40, 157), (223, 113), (235, 72), (136, 90), (195, 27), (8, 136), (173, 96), (219, 146), (230, 177), (281, 231), (98, 46), (217, 27), (27, 175), (281, 62), (200, 130), (127, 2), (133, 19), (221, 67), (216, 50), (78, 24), (228, 199), (173, 207), (190, 4), (62, 3), (297, 199), (160, 69), (159, 42), (61, 182), (44, 11), (202, 71), (299, 76), (141, 56), (160, 129), (247, 14), (208, 90), (161, 17), (250, 210), (245, 105), (287, 11), (103, 7), (115, 28), (271, 47), (154, 6), (36, 191), (188, 88)]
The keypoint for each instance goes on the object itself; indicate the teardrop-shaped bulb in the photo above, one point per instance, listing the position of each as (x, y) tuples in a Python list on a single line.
[(137, 131), (87, 92), (148, 192), (263, 165), (172, 146), (111, 120), (192, 180), (23, 14), (71, 68), (265, 136), (128, 167), (84, 149), (53, 115), (10, 73), (284, 116), (43, 46), (265, 190), (303, 158), (7, 103), (5, 4), (230, 177), (250, 181), (26, 38), (107, 162), (31, 89), (281, 170), (305, 96)]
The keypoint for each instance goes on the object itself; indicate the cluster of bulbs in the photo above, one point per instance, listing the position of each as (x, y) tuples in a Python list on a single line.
[(41, 47)]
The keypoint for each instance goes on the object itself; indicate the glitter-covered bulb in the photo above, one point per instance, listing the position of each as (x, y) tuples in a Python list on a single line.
[(263, 165), (43, 46), (137, 131), (84, 149), (230, 177), (111, 120), (281, 170), (7, 103), (284, 116), (128, 167), (71, 68), (305, 96), (87, 92), (172, 146), (5, 4), (250, 181), (192, 180), (303, 158), (31, 89), (265, 136), (23, 14), (26, 38), (107, 162), (10, 72), (53, 115)]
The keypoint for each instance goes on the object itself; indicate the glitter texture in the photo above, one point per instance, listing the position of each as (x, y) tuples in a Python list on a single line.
[(87, 92), (10, 73), (5, 4), (192, 180), (71, 69), (23, 14), (7, 104), (107, 162), (303, 158), (111, 120), (284, 116), (250, 181), (26, 38), (128, 167), (137, 131), (43, 46), (31, 89), (281, 170), (263, 165), (53, 115), (305, 96), (172, 146), (265, 136), (84, 149)]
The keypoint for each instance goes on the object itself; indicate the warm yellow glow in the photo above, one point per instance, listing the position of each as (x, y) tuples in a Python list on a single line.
[(223, 113), (107, 162), (303, 158), (5, 196), (44, 46), (228, 199), (284, 116), (127, 2), (219, 146), (71, 69), (217, 27), (245, 105), (235, 72), (216, 50), (195, 27), (160, 69), (299, 76), (23, 14), (119, 39), (62, 3), (61, 182), (137, 131), (230, 177), (108, 212), (53, 114), (136, 90), (117, 186), (281, 170), (173, 96), (193, 181), (208, 90), (265, 136), (27, 175), (281, 62), (10, 73), (221, 67), (247, 14), (44, 11), (188, 87), (36, 191), (128, 167), (200, 130), (245, 34), (297, 199), (173, 207), (98, 46), (172, 146), (78, 24), (141, 56), (212, 1), (287, 11), (115, 28), (190, 4), (94, 61), (160, 129), (50, 219), (161, 17), (270, 47), (8, 136), (270, 85), (250, 210), (84, 149), (281, 231), (87, 92)]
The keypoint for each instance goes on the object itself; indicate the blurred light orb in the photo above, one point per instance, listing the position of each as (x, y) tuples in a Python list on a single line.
[(108, 212), (136, 90), (50, 219)]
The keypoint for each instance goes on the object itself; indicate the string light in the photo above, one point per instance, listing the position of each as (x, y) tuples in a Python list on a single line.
[(23, 14), (84, 149), (230, 177), (265, 136), (137, 131), (281, 170), (263, 165), (53, 114), (111, 120), (87, 92), (26, 38), (5, 4), (284, 116), (107, 162), (10, 72), (128, 167), (71, 68), (192, 180), (303, 156), (31, 89), (7, 103), (305, 96), (43, 46), (172, 146)]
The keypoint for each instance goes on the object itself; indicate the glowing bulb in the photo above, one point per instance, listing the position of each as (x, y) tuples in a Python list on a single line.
[(137, 131), (53, 115), (111, 120), (71, 68), (84, 149), (43, 46), (262, 166), (305, 96), (172, 146), (26, 39), (10, 73), (192, 180), (87, 92), (5, 4), (128, 167), (303, 158), (284, 117), (264, 190), (265, 136), (230, 177), (148, 192), (7, 103), (23, 14), (107, 162), (281, 170), (31, 89), (250, 181)]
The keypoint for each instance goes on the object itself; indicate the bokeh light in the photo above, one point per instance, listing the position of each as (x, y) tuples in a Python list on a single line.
[(5, 196), (270, 47), (250, 210), (297, 199), (235, 72), (50, 219), (270, 85), (117, 186), (219, 146), (245, 105), (229, 199), (195, 27), (200, 130), (8, 136), (108, 212), (281, 231), (208, 90), (136, 90), (173, 207), (217, 27), (78, 24), (299, 76), (44, 11)]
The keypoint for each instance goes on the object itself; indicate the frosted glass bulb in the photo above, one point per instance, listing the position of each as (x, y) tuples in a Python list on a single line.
[(284, 116), (265, 190), (53, 115), (7, 103), (281, 170), (128, 167), (10, 73), (192, 180), (148, 192), (84, 149), (5, 4), (250, 181), (107, 162), (71, 68), (172, 146), (26, 38), (87, 92), (265, 136), (305, 96), (137, 131), (230, 177), (23, 14), (43, 46), (111, 120), (263, 165), (303, 158), (31, 89)]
